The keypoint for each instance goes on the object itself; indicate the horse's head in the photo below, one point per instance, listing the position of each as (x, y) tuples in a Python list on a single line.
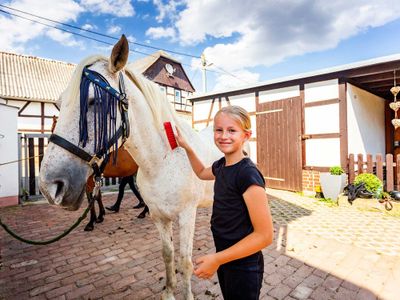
[(89, 124)]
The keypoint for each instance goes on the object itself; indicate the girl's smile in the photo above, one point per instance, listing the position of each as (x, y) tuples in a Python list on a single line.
[(229, 136)]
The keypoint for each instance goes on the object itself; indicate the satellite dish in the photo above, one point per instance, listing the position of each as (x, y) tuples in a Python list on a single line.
[(170, 69)]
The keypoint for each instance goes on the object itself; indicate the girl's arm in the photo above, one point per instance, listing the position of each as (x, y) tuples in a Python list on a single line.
[(198, 168), (262, 236)]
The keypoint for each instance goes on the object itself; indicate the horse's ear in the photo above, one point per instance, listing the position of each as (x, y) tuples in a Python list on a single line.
[(119, 55)]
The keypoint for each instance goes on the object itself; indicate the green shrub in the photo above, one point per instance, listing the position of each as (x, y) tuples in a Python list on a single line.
[(372, 183), (336, 170)]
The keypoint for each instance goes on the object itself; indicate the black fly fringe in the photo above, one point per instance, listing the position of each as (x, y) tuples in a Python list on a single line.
[(105, 117)]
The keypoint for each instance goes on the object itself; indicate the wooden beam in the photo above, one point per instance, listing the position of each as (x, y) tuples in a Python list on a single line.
[(23, 107), (303, 126), (210, 112), (321, 102), (344, 152)]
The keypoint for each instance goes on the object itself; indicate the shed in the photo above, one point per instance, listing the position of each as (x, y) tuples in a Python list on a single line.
[(306, 123)]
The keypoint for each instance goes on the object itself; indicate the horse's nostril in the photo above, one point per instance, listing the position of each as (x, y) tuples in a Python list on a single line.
[(60, 188)]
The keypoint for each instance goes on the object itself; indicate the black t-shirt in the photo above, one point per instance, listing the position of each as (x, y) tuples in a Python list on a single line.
[(230, 220)]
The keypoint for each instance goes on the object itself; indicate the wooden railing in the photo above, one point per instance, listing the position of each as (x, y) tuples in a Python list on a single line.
[(383, 167)]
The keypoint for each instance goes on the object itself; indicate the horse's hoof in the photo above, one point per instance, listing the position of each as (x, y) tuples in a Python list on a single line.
[(100, 220), (88, 227)]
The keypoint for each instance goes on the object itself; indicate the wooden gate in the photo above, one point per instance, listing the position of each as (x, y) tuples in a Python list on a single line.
[(279, 143)]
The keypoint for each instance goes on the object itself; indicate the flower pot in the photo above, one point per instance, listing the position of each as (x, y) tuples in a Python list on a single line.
[(332, 185)]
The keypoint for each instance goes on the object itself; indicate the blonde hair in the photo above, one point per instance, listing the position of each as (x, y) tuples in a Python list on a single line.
[(237, 113)]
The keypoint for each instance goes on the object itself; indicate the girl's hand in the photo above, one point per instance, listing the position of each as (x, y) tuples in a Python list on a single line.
[(206, 266), (181, 140)]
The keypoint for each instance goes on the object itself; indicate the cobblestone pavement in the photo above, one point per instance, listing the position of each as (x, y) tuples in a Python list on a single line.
[(319, 252)]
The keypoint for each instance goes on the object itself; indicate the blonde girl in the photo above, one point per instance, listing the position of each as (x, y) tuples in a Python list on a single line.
[(241, 221)]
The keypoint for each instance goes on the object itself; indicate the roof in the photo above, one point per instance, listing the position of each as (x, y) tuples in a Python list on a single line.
[(374, 75), (32, 78), (144, 63)]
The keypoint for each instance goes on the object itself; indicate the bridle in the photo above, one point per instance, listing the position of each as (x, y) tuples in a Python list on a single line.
[(123, 130)]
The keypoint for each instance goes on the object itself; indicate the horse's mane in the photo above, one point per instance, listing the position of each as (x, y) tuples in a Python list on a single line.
[(72, 91), (160, 107)]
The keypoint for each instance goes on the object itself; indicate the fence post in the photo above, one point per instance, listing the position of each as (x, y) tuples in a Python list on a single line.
[(360, 163), (370, 164), (398, 171), (379, 167), (351, 168), (389, 172)]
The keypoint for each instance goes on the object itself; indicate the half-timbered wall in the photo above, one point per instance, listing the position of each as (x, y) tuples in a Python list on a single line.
[(322, 127), (366, 121), (34, 117)]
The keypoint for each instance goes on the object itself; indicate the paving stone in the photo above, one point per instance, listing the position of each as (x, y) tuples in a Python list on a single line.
[(302, 292), (280, 291), (330, 251)]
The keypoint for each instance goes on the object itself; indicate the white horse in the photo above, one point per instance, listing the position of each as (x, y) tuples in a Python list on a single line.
[(165, 178)]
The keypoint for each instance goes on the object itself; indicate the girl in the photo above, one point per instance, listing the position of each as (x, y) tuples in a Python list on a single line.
[(241, 221)]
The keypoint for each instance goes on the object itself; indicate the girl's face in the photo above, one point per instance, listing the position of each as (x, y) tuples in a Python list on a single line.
[(228, 134)]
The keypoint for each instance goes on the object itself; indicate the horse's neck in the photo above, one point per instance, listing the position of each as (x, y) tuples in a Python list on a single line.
[(146, 144)]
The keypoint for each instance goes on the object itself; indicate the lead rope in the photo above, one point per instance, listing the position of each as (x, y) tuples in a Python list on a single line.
[(96, 193)]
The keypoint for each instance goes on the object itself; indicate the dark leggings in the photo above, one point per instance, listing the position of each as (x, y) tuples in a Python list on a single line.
[(124, 181), (240, 279)]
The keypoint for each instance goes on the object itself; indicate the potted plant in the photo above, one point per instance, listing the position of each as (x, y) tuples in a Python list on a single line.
[(333, 183)]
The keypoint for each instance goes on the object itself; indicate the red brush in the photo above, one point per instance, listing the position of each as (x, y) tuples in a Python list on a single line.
[(170, 135)]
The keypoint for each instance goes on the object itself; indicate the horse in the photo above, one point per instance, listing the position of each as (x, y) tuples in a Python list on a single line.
[(165, 178), (125, 165)]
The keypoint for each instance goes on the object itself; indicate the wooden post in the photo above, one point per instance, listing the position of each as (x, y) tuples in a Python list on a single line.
[(389, 172), (31, 153), (370, 164), (352, 174), (398, 171), (379, 166), (360, 163)]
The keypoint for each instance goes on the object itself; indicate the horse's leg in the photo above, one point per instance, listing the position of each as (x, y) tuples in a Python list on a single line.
[(102, 211), (90, 225), (187, 220), (165, 229)]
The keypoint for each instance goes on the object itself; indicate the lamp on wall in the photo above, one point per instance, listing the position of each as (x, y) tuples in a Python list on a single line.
[(395, 105)]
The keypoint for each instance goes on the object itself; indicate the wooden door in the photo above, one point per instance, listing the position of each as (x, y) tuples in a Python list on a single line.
[(279, 143)]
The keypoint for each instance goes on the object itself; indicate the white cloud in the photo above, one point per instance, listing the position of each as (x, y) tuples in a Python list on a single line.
[(160, 32), (64, 38), (167, 10), (259, 32), (113, 29), (235, 80), (17, 32), (119, 8), (89, 27)]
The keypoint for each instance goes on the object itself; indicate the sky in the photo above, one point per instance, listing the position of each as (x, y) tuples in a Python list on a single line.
[(244, 41)]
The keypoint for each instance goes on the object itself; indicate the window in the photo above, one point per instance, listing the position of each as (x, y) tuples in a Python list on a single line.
[(178, 99), (163, 89)]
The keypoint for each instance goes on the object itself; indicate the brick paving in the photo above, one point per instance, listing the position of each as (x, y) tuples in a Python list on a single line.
[(319, 252)]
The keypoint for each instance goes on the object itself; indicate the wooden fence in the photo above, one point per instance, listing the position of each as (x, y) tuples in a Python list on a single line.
[(31, 150), (383, 167)]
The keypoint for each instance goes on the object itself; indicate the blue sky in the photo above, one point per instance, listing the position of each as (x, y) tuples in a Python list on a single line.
[(246, 41)]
